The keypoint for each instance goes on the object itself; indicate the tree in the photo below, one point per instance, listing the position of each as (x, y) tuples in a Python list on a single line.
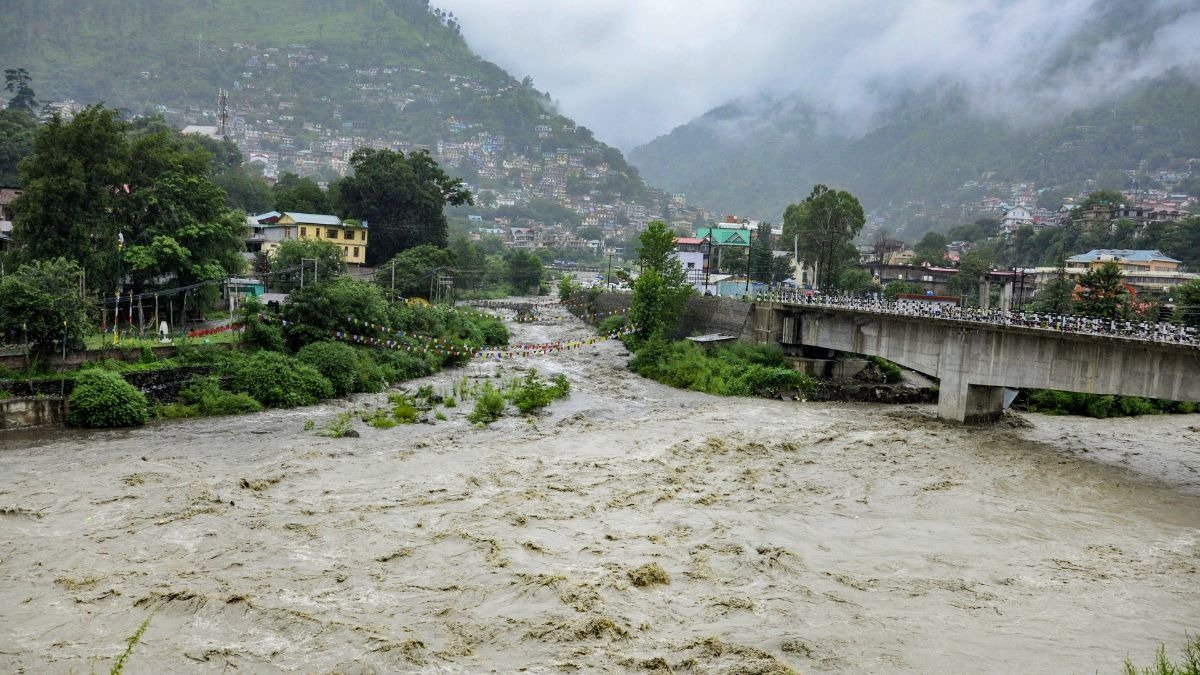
[(1057, 296), (302, 195), (402, 197), (930, 250), (661, 291), (40, 304), (973, 267), (1103, 294), (523, 270), (128, 202), (69, 185), (17, 131), (315, 312), (18, 82), (296, 256), (826, 222), (761, 257), (413, 270), (854, 280), (1187, 303)]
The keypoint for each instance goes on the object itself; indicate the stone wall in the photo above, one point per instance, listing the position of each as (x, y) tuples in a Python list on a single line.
[(16, 362), (22, 412)]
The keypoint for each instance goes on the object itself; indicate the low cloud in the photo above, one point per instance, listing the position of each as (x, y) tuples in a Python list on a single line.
[(632, 70)]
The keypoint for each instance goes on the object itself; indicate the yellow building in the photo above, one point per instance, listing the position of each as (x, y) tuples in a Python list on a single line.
[(350, 235)]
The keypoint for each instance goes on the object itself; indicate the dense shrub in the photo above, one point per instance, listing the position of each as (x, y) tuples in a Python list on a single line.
[(1054, 402), (612, 324), (532, 392), (398, 365), (489, 406), (493, 331), (735, 370), (368, 375), (104, 399), (404, 409), (278, 381), (335, 360), (207, 397), (771, 381)]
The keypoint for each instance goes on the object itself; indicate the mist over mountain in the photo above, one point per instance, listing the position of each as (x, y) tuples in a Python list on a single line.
[(1092, 96)]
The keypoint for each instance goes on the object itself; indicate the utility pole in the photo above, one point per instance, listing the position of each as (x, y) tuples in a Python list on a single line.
[(707, 260), (392, 297), (608, 277)]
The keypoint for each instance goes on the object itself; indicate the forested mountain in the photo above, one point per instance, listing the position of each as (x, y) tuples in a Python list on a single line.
[(933, 148), (309, 80), (1068, 119)]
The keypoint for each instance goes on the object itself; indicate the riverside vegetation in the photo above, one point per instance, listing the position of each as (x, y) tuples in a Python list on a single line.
[(290, 360)]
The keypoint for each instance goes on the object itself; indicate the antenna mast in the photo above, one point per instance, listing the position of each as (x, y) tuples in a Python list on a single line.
[(223, 112)]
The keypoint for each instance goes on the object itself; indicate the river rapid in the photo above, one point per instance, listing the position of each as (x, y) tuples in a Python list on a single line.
[(790, 535)]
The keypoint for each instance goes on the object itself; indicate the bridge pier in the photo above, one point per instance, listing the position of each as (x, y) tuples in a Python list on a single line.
[(958, 399)]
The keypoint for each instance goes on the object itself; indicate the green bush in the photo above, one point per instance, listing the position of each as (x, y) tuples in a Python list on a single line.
[(891, 372), (337, 361), (735, 370), (379, 418), (611, 325), (532, 393), (493, 331), (207, 398), (489, 406), (398, 365), (368, 375), (340, 426), (104, 399), (278, 381), (404, 409), (772, 381), (1188, 665)]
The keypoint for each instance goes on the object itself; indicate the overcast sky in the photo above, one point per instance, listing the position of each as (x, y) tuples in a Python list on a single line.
[(634, 69)]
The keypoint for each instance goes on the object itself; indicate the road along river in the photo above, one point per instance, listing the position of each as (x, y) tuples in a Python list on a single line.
[(630, 527)]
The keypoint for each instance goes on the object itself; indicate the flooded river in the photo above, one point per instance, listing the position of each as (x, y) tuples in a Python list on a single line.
[(630, 527)]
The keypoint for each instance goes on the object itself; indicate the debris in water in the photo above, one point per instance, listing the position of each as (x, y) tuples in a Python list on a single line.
[(649, 575)]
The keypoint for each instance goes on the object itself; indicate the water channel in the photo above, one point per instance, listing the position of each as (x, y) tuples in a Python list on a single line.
[(815, 537)]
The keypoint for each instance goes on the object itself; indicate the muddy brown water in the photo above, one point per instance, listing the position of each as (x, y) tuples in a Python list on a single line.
[(630, 527)]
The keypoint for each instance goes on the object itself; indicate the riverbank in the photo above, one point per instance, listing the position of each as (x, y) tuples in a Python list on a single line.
[(814, 536)]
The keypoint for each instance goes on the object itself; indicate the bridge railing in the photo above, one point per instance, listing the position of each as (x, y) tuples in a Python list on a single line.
[(1142, 331)]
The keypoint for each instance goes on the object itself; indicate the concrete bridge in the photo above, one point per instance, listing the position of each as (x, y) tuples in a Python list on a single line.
[(975, 361)]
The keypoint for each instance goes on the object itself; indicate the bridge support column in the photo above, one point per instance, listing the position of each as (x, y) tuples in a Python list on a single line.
[(959, 400)]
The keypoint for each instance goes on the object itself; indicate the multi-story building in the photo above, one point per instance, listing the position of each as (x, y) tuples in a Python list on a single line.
[(269, 229)]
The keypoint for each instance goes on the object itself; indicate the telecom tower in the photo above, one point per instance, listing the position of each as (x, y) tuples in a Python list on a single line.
[(223, 112)]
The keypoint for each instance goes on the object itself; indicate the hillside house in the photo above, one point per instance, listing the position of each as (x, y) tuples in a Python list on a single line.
[(1130, 261), (268, 230)]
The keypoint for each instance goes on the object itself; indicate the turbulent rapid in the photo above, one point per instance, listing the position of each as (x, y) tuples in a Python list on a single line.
[(628, 527)]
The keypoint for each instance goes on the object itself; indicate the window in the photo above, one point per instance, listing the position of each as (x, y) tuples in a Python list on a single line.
[(304, 232), (331, 233), (349, 234), (345, 251), (364, 235), (355, 251)]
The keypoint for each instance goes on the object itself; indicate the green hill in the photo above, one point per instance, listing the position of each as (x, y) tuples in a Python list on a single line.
[(932, 149), (309, 79)]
